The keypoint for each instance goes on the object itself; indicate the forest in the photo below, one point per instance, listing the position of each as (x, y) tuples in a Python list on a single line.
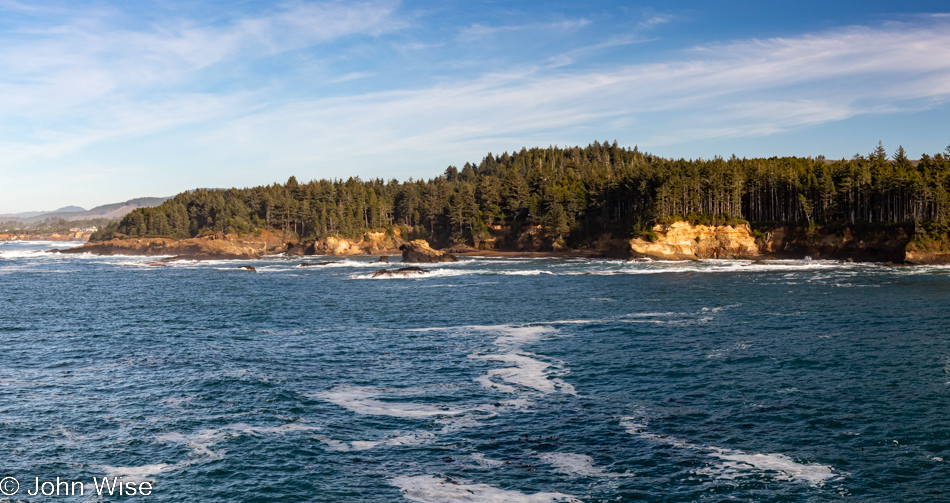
[(572, 195)]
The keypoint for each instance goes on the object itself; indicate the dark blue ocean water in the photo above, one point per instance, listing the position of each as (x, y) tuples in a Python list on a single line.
[(489, 380)]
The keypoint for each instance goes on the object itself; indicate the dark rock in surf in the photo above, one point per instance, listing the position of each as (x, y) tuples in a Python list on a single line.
[(247, 268), (419, 251), (403, 271), (311, 264)]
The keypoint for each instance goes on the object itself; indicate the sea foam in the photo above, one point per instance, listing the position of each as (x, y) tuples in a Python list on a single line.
[(362, 400), (430, 489)]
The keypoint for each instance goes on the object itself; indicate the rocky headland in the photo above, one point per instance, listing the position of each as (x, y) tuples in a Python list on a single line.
[(678, 240), (215, 247)]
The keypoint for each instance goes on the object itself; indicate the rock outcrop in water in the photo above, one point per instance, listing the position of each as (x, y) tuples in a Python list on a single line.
[(419, 251), (403, 271), (684, 241)]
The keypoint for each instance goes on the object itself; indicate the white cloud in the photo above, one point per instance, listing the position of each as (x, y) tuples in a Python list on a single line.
[(749, 88), (117, 87)]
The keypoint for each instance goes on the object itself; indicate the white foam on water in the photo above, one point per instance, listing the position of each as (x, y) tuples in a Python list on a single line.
[(513, 335), (272, 430), (526, 372), (531, 272), (781, 466), (411, 439), (485, 462), (570, 463), (576, 322), (431, 489), (199, 442), (362, 400), (459, 423), (638, 426), (737, 463), (508, 335), (139, 473), (432, 273), (202, 442)]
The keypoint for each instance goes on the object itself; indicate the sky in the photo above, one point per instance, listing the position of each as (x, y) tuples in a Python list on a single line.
[(104, 101)]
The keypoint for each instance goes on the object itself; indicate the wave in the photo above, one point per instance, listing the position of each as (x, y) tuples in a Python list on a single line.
[(431, 489)]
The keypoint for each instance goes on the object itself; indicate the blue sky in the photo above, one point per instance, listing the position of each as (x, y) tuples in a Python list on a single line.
[(105, 101)]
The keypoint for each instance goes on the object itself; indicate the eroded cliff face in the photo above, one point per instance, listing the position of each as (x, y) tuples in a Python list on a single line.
[(684, 241), (838, 244), (249, 246), (369, 243)]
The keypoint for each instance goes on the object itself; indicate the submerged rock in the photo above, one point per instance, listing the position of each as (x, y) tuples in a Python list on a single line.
[(403, 271), (311, 264), (382, 260), (419, 251), (248, 268)]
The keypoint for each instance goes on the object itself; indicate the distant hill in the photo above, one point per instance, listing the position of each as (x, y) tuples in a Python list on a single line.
[(28, 214), (111, 211), (66, 209)]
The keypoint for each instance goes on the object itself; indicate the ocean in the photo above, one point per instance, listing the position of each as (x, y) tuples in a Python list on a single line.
[(486, 380)]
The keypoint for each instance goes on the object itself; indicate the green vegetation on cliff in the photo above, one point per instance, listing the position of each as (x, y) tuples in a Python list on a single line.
[(574, 194)]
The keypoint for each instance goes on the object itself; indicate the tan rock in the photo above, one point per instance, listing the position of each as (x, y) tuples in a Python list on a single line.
[(419, 251), (684, 241)]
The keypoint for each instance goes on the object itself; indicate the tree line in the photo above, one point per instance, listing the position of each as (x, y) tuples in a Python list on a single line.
[(572, 195)]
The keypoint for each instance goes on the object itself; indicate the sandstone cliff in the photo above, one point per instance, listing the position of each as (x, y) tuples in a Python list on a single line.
[(684, 241), (371, 243)]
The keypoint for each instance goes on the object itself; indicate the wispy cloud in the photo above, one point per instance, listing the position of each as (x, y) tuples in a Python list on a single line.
[(181, 94), (748, 88), (655, 20), (480, 31)]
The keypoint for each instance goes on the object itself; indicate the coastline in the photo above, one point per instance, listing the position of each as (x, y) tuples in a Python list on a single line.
[(676, 241)]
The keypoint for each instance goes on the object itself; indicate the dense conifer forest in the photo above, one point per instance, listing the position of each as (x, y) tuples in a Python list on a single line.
[(574, 194)]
